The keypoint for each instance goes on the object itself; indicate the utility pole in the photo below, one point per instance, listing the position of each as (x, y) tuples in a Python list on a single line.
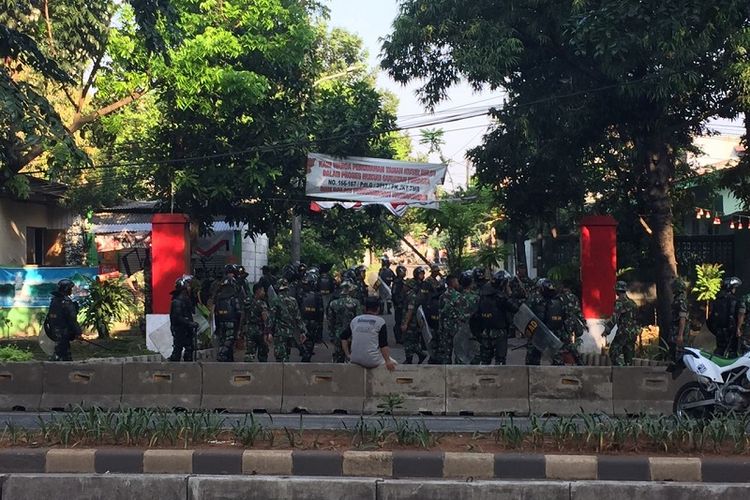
[(296, 238)]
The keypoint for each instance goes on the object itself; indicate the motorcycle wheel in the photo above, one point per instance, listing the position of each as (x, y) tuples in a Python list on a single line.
[(692, 392)]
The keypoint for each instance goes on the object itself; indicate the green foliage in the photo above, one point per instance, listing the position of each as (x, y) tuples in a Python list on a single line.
[(708, 281), (465, 215), (51, 57), (11, 353), (601, 98), (108, 301)]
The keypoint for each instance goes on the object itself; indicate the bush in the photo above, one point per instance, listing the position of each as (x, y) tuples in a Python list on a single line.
[(13, 353), (108, 301)]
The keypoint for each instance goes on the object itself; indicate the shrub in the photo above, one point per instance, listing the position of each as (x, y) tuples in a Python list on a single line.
[(13, 353)]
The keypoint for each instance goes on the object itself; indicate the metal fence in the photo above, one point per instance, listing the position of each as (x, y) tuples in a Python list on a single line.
[(704, 249)]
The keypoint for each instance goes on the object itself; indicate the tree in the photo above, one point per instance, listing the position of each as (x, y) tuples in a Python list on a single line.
[(463, 216), (51, 54), (583, 77)]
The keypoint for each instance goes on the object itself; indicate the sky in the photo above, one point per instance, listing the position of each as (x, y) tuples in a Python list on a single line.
[(371, 20)]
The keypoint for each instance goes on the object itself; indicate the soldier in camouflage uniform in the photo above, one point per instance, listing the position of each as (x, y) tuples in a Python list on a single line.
[(227, 309), (341, 312), (453, 317), (680, 317), (627, 327), (399, 295), (258, 322), (574, 321), (744, 321), (521, 285), (558, 313), (288, 328), (495, 308), (411, 332)]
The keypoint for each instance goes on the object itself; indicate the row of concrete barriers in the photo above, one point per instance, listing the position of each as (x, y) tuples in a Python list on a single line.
[(338, 388), (186, 487)]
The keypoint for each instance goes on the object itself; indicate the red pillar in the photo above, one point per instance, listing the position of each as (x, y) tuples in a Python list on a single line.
[(170, 256), (598, 266)]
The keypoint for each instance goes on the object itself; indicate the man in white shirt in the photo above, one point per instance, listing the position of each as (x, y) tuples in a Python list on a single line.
[(365, 342)]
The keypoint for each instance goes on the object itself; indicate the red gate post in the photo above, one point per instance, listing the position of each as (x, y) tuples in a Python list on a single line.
[(598, 276), (170, 259)]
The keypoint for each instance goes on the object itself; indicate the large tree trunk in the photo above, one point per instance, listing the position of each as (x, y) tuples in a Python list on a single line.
[(659, 166)]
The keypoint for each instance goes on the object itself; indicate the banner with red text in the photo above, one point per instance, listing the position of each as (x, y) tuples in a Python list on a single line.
[(372, 179)]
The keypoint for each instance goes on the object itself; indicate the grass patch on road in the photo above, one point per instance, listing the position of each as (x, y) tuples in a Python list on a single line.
[(161, 428)]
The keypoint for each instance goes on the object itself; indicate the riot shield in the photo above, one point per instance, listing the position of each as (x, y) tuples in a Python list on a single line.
[(160, 340), (465, 346), (271, 292), (46, 343), (384, 291), (424, 327), (532, 327)]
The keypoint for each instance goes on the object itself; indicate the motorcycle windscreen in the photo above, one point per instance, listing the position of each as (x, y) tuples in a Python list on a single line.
[(532, 327)]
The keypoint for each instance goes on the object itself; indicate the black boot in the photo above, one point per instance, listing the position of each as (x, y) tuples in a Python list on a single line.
[(422, 356), (408, 360)]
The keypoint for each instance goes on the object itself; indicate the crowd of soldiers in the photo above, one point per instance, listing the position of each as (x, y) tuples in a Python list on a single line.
[(289, 313)]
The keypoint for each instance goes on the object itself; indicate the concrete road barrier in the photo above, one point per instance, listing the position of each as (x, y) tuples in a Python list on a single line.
[(567, 390), (598, 490), (242, 387), (93, 487), (162, 385), (265, 488), (487, 390), (323, 388), (20, 386), (85, 384), (422, 388), (645, 389), (476, 490)]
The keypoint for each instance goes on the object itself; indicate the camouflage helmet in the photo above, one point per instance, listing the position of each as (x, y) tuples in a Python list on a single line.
[(466, 279), (65, 286), (621, 286), (480, 275), (500, 278), (346, 286), (546, 285), (732, 282), (281, 285), (679, 285), (183, 282)]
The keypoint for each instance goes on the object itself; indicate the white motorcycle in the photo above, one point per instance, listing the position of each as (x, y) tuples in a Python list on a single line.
[(722, 384)]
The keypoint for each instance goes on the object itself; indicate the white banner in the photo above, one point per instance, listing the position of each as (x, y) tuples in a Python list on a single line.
[(372, 179)]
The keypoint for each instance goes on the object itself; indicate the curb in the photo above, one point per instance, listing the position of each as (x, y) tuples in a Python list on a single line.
[(384, 464)]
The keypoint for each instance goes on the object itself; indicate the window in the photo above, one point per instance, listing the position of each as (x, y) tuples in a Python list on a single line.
[(35, 247)]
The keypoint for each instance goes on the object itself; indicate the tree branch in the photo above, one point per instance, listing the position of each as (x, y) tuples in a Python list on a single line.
[(80, 121), (89, 82), (48, 22)]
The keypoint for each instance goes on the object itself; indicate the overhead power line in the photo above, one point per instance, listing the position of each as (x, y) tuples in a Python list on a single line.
[(287, 144)]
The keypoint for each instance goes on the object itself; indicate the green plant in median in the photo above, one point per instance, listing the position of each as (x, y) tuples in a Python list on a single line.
[(12, 353), (108, 301)]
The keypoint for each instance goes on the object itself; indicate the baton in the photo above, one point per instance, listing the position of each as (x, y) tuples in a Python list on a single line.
[(95, 344)]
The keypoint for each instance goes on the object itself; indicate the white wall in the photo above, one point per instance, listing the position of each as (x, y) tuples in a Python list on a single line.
[(254, 255), (15, 216)]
